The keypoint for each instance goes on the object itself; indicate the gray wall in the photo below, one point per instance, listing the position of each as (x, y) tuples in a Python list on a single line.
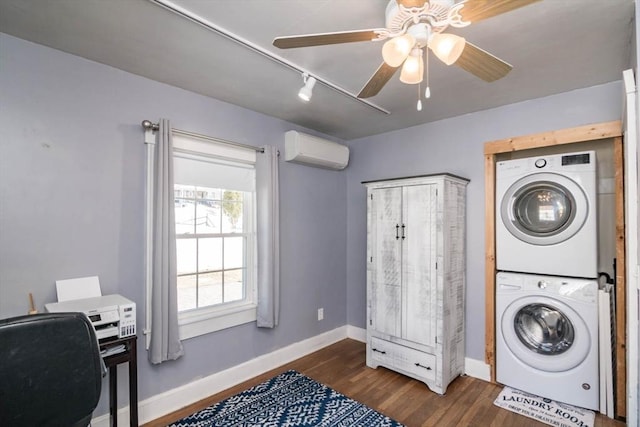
[(72, 163), (456, 146)]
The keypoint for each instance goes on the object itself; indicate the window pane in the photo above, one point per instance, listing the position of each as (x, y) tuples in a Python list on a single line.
[(211, 268), (232, 211), (186, 255), (210, 193), (208, 214), (233, 252), (209, 254), (233, 289), (185, 216), (186, 293), (210, 289)]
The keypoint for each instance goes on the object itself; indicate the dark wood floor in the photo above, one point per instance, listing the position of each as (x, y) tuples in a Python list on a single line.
[(468, 401)]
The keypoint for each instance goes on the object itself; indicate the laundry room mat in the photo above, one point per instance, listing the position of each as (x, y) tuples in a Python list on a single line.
[(544, 410)]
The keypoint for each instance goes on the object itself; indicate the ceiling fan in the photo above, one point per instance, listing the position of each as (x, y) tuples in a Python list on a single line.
[(412, 28)]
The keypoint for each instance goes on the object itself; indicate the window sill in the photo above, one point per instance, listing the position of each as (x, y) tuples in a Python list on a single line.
[(200, 322)]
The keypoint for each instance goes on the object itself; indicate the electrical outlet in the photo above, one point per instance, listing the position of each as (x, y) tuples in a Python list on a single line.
[(320, 313)]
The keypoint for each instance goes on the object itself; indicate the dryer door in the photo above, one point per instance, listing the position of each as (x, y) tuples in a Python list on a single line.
[(544, 209), (545, 333)]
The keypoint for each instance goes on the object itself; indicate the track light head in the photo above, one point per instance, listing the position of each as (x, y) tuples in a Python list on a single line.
[(306, 91)]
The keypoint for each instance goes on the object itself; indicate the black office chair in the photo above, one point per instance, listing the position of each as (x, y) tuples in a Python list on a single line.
[(50, 370)]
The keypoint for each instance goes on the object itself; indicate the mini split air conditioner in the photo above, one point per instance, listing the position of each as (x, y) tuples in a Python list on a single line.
[(314, 151)]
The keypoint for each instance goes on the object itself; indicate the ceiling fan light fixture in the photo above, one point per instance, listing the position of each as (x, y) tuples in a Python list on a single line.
[(396, 50), (307, 90), (413, 68), (447, 47)]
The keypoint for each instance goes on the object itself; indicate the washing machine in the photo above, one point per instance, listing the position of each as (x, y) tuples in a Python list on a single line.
[(547, 337), (546, 215)]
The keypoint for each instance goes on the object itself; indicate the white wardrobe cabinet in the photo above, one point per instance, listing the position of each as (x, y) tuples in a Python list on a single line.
[(416, 277)]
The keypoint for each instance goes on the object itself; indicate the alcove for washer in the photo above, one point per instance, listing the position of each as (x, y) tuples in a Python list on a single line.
[(606, 139)]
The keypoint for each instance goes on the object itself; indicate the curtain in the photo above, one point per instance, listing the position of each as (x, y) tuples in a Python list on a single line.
[(268, 229), (165, 341)]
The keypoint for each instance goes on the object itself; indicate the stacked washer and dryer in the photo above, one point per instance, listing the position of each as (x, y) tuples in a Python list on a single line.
[(546, 287)]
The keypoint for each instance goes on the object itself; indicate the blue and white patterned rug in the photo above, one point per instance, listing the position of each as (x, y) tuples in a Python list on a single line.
[(289, 399)]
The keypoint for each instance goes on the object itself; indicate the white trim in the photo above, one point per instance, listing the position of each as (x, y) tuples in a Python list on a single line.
[(179, 397), (477, 369), (201, 322), (632, 163), (358, 334)]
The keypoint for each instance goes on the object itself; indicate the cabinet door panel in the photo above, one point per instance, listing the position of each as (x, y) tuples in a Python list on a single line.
[(387, 276), (419, 259)]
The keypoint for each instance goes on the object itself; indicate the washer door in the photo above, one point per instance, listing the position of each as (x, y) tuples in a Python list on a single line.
[(545, 333), (544, 209)]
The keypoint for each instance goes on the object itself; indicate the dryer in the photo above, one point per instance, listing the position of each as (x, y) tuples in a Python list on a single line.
[(547, 337), (546, 215)]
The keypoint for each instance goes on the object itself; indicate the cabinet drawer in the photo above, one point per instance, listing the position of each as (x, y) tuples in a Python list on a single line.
[(412, 361)]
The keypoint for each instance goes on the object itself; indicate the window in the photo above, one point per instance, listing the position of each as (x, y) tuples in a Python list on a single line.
[(214, 192), (210, 246)]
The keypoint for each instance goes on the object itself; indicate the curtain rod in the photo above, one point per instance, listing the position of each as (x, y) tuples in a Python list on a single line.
[(148, 125), (260, 50)]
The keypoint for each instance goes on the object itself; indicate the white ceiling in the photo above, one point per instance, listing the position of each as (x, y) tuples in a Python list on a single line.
[(554, 46)]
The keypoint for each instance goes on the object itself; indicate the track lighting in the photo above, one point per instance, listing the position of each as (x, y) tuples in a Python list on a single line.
[(306, 91)]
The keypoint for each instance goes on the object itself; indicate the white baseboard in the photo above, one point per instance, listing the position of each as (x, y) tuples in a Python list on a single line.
[(477, 369), (355, 333), (172, 400)]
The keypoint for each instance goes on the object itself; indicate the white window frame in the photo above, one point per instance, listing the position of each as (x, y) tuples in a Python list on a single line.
[(200, 321), (205, 320)]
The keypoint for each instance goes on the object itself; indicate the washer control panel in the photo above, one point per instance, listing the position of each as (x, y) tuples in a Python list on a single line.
[(574, 288)]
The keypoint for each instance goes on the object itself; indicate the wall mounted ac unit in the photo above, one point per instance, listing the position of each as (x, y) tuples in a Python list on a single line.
[(314, 151)]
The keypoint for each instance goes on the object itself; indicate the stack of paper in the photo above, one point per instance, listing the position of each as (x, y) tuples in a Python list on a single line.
[(80, 288), (110, 351)]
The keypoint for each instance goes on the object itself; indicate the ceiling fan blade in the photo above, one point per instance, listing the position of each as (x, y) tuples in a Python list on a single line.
[(306, 40), (477, 10), (482, 64), (411, 3), (377, 81)]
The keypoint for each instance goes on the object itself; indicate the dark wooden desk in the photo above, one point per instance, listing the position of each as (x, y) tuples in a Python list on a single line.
[(128, 355)]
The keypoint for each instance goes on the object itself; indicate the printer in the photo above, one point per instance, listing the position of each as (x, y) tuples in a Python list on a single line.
[(110, 315)]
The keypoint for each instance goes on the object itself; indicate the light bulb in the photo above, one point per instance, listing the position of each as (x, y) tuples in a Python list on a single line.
[(427, 93), (395, 51), (419, 106), (447, 47), (413, 68)]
